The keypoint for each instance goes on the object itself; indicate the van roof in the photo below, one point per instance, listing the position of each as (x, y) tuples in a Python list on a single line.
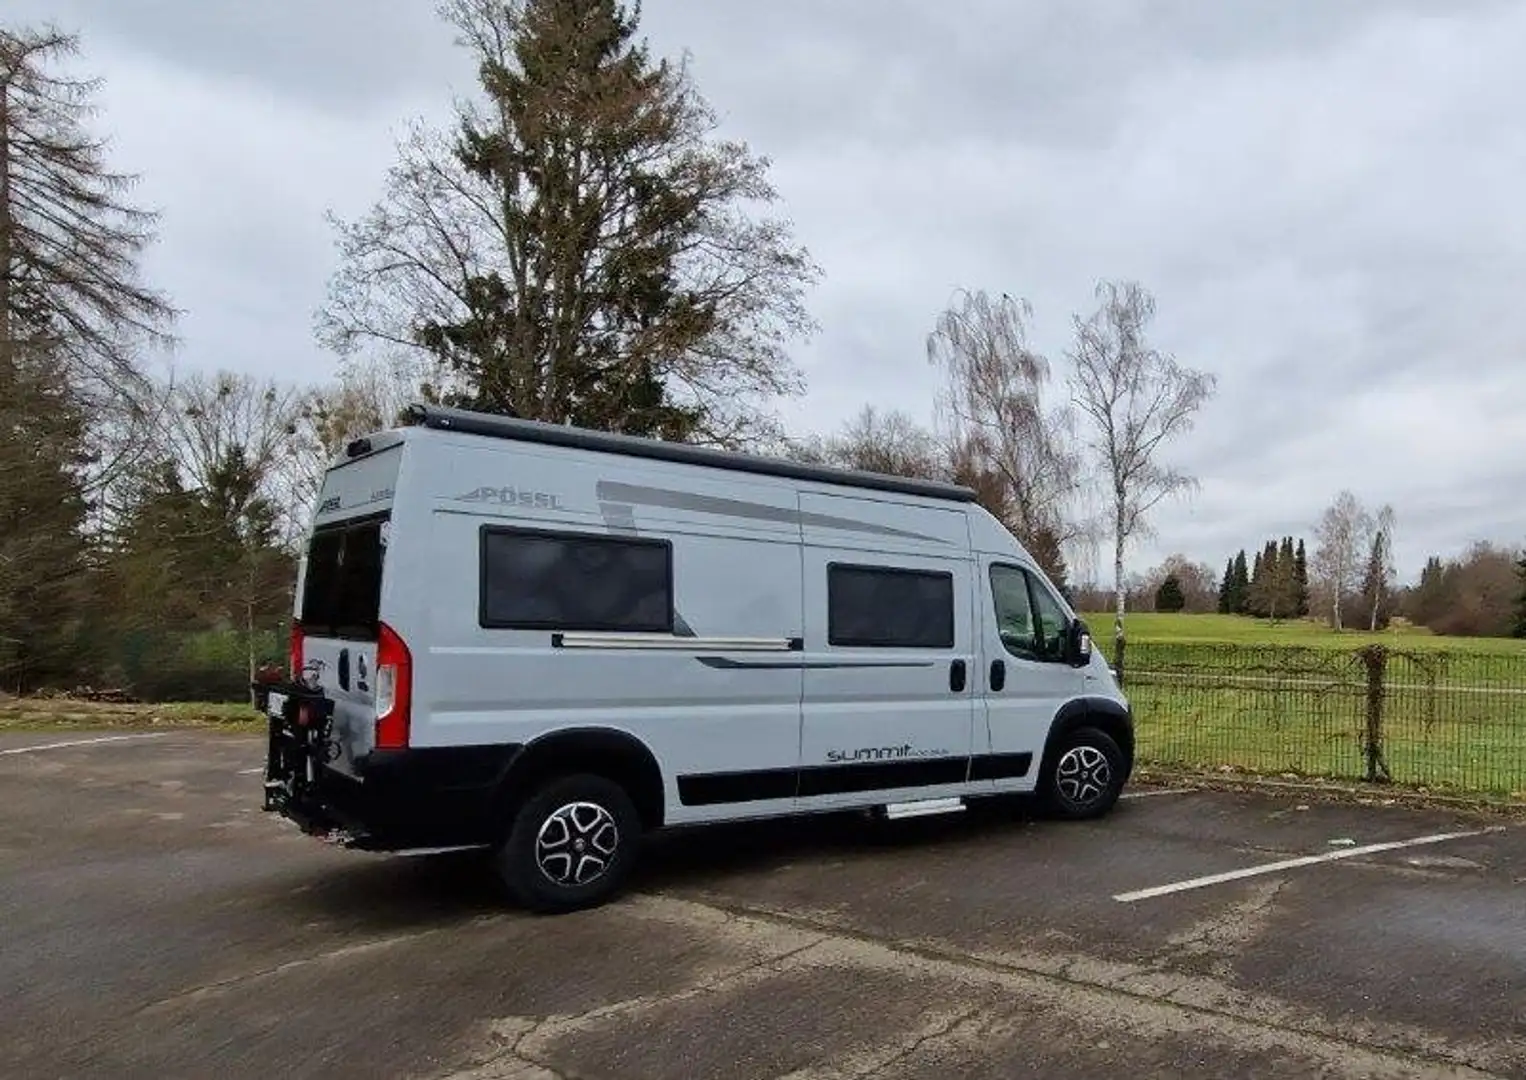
[(442, 418)]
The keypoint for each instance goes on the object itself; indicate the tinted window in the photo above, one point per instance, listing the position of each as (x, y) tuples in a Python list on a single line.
[(543, 582), (341, 593), (875, 607), (1028, 617)]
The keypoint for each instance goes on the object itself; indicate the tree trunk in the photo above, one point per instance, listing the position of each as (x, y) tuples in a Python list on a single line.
[(249, 635), (1337, 608), (1118, 539), (5, 221)]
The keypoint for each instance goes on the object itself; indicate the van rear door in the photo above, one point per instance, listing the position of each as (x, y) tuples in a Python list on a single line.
[(340, 625)]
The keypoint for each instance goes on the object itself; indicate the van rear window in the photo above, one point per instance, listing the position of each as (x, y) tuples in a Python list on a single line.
[(544, 581), (341, 593)]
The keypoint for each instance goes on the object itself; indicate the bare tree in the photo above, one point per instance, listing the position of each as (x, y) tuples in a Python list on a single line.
[(69, 247), (874, 441), (996, 420), (579, 249), (370, 394), (1136, 399), (232, 438), (1340, 539)]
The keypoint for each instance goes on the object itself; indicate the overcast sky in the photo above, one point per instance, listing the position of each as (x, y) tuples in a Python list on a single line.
[(1324, 197)]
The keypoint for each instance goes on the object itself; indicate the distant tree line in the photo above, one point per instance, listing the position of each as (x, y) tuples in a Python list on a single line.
[(1481, 593), (1275, 587)]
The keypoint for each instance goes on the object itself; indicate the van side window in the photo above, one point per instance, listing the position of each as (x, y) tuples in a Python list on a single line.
[(573, 581), (880, 607), (1029, 619)]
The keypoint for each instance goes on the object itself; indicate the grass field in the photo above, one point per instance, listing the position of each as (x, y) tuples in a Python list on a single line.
[(1215, 691), (1150, 628), (1209, 692)]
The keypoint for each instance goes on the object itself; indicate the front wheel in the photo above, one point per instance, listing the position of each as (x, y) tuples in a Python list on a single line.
[(571, 844), (1083, 776)]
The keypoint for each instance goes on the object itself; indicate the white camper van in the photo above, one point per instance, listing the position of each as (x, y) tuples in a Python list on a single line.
[(548, 642)]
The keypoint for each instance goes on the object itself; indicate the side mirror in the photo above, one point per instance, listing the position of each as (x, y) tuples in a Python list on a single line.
[(1080, 643)]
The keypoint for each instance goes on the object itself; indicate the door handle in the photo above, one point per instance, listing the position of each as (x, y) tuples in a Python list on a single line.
[(956, 675), (998, 675)]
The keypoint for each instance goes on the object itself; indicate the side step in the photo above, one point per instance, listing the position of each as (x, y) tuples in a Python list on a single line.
[(923, 808)]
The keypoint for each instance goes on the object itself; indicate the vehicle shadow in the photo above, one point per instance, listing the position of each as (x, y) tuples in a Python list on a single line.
[(717, 854), (387, 893)]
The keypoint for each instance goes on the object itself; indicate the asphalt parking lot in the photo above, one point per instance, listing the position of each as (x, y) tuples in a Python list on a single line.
[(153, 922)]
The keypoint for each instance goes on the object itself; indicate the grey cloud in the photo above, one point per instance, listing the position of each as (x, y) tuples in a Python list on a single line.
[(1321, 196)]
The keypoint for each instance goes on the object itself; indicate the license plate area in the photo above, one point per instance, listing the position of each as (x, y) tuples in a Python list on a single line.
[(300, 720)]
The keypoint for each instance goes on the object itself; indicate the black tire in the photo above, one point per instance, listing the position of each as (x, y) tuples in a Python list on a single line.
[(1083, 775), (595, 820)]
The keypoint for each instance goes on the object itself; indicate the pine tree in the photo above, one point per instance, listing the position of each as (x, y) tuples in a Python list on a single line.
[(1227, 588), (1520, 604), (1169, 597), (1301, 581), (580, 249), (1429, 599), (1242, 585)]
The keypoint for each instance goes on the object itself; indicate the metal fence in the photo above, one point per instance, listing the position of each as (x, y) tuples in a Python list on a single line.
[(1448, 721)]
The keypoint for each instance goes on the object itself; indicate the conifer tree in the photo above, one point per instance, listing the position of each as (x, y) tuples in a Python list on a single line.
[(1242, 585), (1301, 580), (1520, 604)]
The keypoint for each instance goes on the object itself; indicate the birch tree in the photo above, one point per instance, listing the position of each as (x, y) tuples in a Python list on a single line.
[(997, 422), (1135, 400), (1340, 542)]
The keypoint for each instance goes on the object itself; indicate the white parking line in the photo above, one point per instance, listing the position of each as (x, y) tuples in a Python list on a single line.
[(1291, 864), (80, 742), (1151, 793), (251, 772)]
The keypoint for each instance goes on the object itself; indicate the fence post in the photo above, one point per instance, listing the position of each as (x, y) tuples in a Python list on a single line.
[(1375, 659)]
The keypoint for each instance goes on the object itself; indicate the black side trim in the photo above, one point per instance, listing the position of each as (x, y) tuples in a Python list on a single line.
[(1000, 766), (712, 789), (501, 427), (880, 775), (726, 663)]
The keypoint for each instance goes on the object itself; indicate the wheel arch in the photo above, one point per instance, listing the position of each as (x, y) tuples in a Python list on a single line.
[(1102, 713), (611, 753)]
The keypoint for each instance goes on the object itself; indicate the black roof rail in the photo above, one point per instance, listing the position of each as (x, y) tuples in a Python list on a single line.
[(444, 418)]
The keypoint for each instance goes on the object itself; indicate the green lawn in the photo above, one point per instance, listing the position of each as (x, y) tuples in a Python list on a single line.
[(1213, 691)]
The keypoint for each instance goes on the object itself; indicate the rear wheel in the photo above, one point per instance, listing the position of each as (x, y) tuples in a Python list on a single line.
[(1083, 776), (570, 845)]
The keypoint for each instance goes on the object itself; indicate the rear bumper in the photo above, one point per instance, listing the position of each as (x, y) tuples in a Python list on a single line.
[(397, 799), (427, 797)]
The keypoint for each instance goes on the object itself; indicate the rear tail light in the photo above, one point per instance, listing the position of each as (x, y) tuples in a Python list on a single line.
[(394, 690), (295, 653)]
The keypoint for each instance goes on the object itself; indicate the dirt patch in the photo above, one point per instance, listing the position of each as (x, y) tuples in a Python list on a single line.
[(42, 714)]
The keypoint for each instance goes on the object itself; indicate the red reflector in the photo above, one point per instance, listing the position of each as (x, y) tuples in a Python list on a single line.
[(295, 653), (394, 690)]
